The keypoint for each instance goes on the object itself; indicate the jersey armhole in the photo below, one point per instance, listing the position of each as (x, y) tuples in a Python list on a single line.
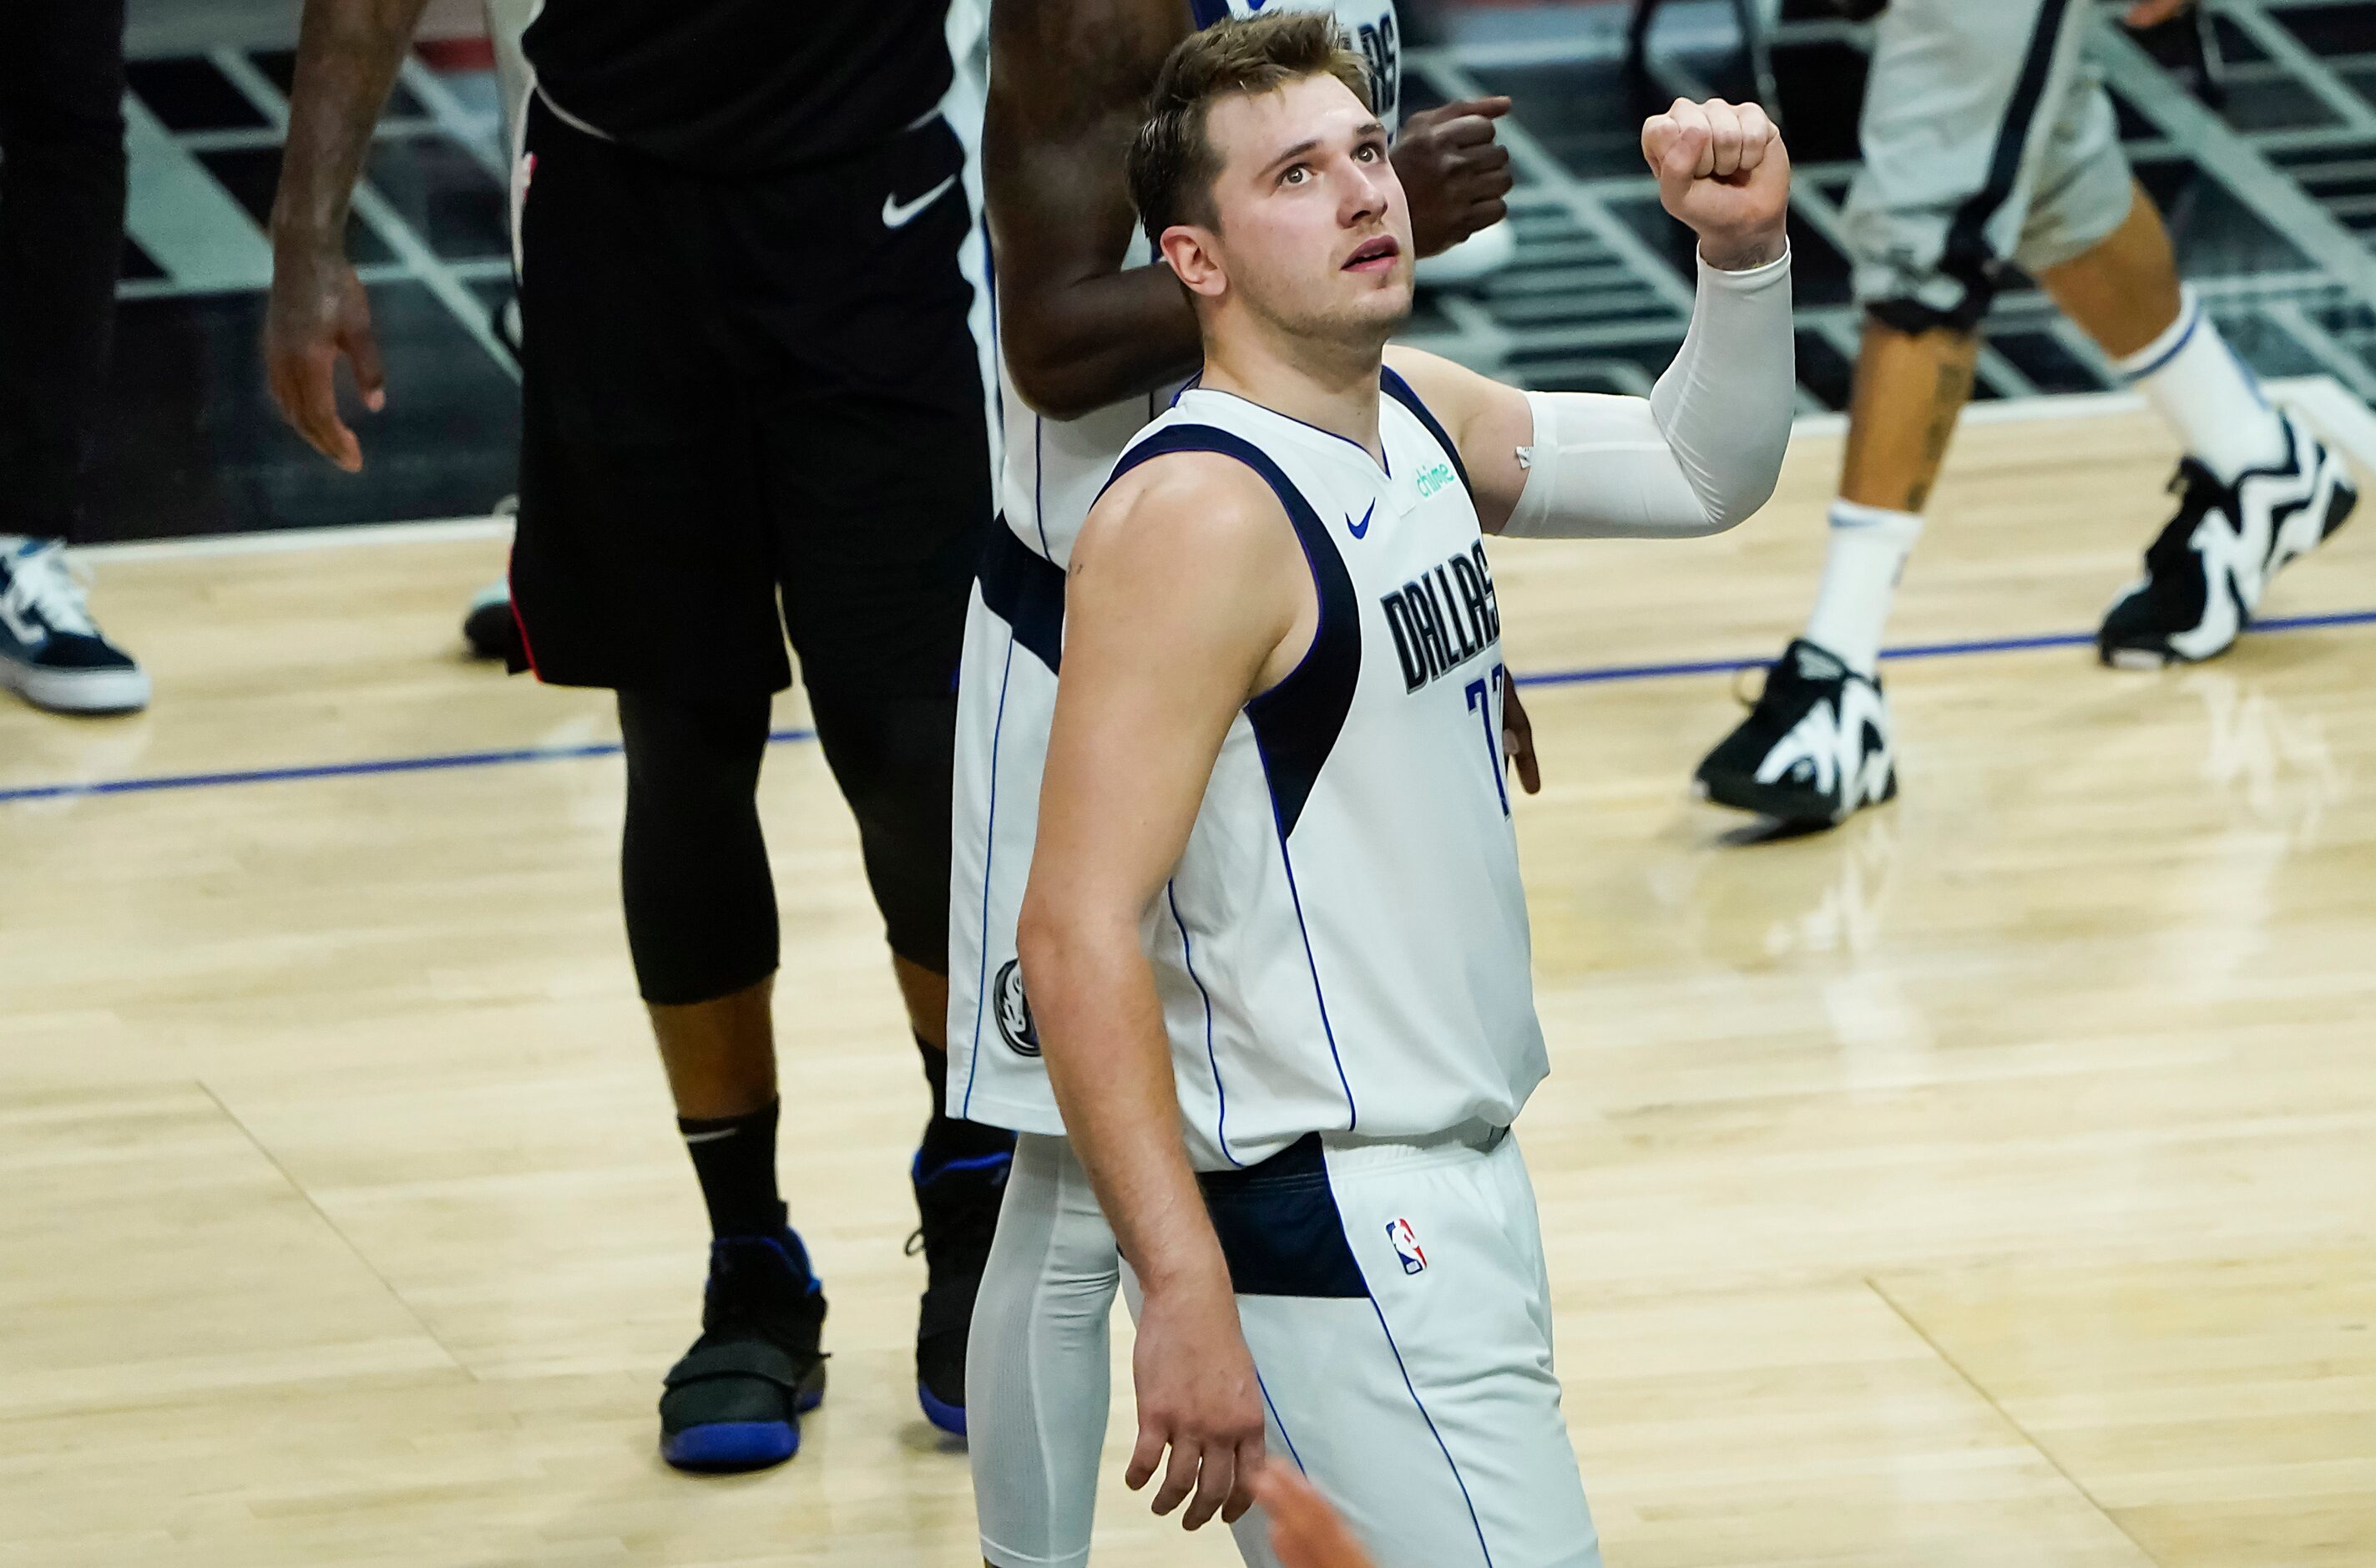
[(1297, 721)]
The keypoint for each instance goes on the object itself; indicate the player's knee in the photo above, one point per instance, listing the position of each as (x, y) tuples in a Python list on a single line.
[(1915, 317), (893, 755), (700, 903)]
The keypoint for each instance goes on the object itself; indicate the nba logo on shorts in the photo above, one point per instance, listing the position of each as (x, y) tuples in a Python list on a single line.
[(1405, 1246)]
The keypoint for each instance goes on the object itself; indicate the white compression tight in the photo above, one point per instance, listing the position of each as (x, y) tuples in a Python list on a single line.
[(1036, 1365)]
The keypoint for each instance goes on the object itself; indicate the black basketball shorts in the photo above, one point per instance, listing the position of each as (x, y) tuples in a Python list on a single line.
[(753, 406)]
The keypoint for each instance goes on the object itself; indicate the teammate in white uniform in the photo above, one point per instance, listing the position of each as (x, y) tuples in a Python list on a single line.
[(1096, 341), (1275, 931)]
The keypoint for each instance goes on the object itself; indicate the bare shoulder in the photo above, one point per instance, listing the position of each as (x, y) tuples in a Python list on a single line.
[(1189, 514), (1463, 401), (1448, 389)]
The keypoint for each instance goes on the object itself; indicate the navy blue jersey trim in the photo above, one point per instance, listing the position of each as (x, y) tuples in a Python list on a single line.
[(1296, 722), (1400, 391), (1025, 589), (1966, 257), (1204, 13), (1279, 1229)]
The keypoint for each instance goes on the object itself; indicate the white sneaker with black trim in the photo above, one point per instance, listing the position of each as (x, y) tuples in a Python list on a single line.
[(52, 654), (2207, 571), (1816, 748)]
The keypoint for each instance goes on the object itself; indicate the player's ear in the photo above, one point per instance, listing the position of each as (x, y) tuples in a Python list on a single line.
[(1189, 249)]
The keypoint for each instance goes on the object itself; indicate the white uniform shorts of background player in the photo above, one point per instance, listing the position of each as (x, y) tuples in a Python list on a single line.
[(1988, 139)]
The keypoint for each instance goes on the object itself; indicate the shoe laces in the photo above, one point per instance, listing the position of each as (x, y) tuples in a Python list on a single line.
[(55, 588)]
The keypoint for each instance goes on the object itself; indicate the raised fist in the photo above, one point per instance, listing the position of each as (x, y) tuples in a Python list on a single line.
[(1723, 171)]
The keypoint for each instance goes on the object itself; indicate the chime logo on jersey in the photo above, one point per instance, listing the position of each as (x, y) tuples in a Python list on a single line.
[(1406, 1244), (1014, 1025), (1444, 618)]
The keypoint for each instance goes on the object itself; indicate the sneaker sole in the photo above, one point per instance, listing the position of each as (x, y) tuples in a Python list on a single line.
[(730, 1447), (77, 692), (1781, 805)]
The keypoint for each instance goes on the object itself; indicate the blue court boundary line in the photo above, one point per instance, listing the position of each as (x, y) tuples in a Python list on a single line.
[(1599, 675)]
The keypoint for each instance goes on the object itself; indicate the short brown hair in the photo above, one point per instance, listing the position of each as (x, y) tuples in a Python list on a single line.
[(1172, 166)]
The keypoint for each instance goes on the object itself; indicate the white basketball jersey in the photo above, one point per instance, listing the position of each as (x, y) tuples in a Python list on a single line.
[(1006, 689), (1343, 945)]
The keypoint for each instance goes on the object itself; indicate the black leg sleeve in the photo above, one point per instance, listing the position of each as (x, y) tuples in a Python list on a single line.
[(62, 186), (701, 905), (893, 757)]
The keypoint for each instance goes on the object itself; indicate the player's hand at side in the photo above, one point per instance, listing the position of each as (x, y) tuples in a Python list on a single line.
[(1454, 173), (1723, 171), (1196, 1397), (317, 315)]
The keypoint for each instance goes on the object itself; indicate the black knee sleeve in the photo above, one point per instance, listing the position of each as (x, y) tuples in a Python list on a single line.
[(893, 757), (701, 906)]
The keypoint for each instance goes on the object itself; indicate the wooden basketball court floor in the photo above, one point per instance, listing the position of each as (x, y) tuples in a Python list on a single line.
[(1991, 1182)]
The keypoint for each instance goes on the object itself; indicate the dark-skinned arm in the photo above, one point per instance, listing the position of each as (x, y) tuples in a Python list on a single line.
[(348, 54), (1068, 82), (1068, 86)]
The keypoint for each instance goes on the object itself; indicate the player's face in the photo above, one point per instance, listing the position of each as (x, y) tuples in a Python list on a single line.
[(1314, 230)]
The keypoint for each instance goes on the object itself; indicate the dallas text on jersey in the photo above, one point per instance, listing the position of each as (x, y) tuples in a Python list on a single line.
[(1444, 618)]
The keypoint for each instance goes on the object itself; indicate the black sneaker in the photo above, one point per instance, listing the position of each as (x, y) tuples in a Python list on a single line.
[(1815, 748), (490, 629), (736, 1399), (958, 1203), (2206, 572), (50, 652)]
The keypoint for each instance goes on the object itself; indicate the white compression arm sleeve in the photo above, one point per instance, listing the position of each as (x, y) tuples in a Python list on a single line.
[(1700, 453)]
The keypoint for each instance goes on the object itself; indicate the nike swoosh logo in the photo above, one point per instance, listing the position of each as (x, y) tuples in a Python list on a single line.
[(895, 212), (1361, 528)]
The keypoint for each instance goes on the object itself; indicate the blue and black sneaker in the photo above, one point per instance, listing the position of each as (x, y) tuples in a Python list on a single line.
[(51, 653), (959, 1201), (736, 1399)]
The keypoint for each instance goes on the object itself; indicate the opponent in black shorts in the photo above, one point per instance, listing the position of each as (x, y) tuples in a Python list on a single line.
[(753, 408)]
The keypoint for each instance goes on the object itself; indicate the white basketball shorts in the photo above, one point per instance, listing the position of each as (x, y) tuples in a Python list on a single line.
[(1394, 1300)]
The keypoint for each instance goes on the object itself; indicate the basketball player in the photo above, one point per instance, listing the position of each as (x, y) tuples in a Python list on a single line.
[(1990, 141), (1275, 938), (1094, 340), (748, 375)]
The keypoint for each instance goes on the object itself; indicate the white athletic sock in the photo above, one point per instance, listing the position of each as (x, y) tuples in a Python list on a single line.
[(2204, 391), (1868, 553)]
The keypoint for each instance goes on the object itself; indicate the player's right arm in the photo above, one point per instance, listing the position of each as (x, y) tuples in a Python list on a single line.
[(1186, 593), (1068, 86), (348, 52)]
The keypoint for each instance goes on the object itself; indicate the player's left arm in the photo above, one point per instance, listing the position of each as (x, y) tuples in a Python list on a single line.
[(1704, 450), (1185, 589)]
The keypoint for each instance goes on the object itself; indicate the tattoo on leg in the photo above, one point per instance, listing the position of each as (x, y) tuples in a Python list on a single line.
[(1953, 390)]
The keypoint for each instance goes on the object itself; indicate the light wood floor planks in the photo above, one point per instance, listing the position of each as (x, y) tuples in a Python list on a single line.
[(1992, 1182)]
